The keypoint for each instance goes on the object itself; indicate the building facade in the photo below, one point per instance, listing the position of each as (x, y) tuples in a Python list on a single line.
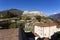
[(58, 28), (45, 29)]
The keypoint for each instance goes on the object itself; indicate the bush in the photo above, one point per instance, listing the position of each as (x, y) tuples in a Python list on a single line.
[(13, 25), (4, 25), (21, 25)]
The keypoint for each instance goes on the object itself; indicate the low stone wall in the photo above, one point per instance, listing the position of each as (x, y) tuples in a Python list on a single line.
[(9, 34)]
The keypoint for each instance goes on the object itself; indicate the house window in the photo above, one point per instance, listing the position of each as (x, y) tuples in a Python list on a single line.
[(38, 28), (45, 34), (41, 33)]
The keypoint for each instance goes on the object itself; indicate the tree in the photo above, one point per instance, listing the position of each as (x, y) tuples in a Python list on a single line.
[(38, 18)]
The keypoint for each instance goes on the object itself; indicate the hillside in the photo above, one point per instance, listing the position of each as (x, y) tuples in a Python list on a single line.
[(14, 11), (28, 15)]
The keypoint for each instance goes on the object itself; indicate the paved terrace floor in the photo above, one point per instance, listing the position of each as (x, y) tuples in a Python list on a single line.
[(9, 34)]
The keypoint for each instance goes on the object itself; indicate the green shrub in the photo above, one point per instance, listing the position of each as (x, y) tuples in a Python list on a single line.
[(21, 25), (13, 25)]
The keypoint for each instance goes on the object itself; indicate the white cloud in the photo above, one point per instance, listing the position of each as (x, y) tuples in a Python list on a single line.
[(54, 13)]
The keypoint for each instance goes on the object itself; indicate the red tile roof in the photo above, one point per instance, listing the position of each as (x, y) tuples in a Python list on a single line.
[(58, 26), (45, 24)]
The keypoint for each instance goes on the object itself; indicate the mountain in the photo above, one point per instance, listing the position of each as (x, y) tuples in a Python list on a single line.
[(14, 11), (19, 12), (55, 16)]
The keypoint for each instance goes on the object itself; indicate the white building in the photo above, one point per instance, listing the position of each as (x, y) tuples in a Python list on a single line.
[(45, 29)]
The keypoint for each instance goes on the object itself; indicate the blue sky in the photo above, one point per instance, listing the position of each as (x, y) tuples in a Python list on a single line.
[(48, 7)]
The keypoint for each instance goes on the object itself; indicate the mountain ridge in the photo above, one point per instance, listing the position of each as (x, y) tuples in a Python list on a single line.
[(14, 11), (55, 16), (20, 12)]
